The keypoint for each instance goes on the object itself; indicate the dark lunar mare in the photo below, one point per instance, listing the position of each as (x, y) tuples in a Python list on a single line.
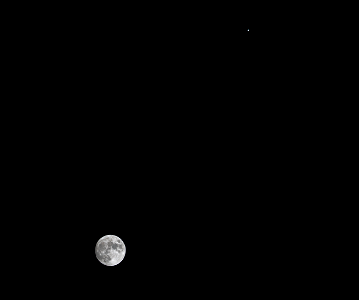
[(120, 246), (102, 246), (103, 256)]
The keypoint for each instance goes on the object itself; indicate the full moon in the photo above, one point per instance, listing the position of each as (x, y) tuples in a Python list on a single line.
[(110, 250)]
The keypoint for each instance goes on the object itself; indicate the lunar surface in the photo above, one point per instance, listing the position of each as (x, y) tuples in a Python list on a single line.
[(110, 250)]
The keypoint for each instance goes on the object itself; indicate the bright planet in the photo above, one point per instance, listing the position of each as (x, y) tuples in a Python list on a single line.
[(110, 250)]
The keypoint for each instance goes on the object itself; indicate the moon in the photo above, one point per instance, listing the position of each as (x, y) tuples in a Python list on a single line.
[(109, 256)]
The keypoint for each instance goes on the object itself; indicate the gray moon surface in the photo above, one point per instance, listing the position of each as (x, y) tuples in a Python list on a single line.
[(109, 256)]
